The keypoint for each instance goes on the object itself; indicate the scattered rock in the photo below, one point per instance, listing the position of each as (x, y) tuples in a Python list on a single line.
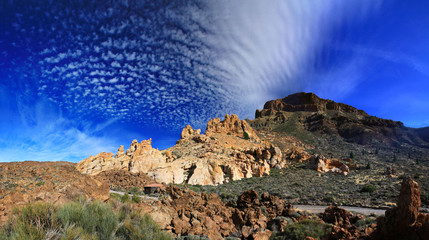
[(323, 164), (390, 171), (54, 182), (124, 179), (198, 214)]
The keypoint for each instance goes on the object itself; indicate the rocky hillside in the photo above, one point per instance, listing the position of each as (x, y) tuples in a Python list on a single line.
[(312, 115), (423, 133), (230, 150), (54, 182)]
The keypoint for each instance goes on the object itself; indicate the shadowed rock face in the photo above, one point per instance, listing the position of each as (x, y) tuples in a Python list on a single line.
[(404, 221), (307, 102), (326, 117), (423, 133)]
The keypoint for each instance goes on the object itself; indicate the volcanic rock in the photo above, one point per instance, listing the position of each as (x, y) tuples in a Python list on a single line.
[(54, 182), (230, 150), (323, 164), (124, 179), (307, 102), (231, 125), (343, 224), (404, 221), (201, 213), (312, 116)]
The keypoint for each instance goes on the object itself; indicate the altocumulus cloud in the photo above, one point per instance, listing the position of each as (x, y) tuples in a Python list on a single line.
[(157, 63)]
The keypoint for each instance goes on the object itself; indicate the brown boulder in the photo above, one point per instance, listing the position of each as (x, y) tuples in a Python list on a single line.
[(205, 214), (323, 164), (343, 224), (247, 199)]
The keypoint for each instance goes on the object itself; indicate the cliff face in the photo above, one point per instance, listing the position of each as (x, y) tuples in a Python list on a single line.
[(230, 150), (313, 115), (306, 102)]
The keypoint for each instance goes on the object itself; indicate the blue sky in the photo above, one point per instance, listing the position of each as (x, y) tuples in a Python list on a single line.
[(80, 77)]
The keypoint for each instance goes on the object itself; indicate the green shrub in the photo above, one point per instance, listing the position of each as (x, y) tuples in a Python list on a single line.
[(135, 198), (368, 166), (352, 155), (133, 190), (115, 196), (81, 220), (138, 226), (40, 183), (300, 230), (246, 136), (125, 198), (368, 188), (30, 221)]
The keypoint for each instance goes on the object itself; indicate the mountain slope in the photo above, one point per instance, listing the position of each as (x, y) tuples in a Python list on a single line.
[(306, 115)]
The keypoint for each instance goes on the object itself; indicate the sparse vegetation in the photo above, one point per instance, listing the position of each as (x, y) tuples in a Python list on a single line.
[(246, 136), (133, 190), (80, 220), (300, 230), (368, 166), (135, 198), (40, 183), (125, 198), (368, 188)]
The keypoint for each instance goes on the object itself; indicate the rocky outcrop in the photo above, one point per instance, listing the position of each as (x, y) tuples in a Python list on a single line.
[(231, 125), (344, 224), (404, 221), (230, 150), (308, 114), (139, 157), (323, 164), (124, 179), (54, 182), (188, 133), (297, 155), (204, 214), (306, 102)]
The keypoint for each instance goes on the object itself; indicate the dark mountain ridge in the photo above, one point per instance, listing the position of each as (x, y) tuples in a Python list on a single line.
[(309, 113)]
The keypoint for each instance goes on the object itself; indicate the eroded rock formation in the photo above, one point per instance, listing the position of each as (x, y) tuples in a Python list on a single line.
[(230, 150), (323, 164), (404, 221)]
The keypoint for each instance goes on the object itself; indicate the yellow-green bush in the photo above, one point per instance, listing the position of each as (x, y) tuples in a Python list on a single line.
[(80, 220), (300, 230)]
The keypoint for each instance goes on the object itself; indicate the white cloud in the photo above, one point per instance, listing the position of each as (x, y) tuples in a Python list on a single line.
[(224, 56)]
